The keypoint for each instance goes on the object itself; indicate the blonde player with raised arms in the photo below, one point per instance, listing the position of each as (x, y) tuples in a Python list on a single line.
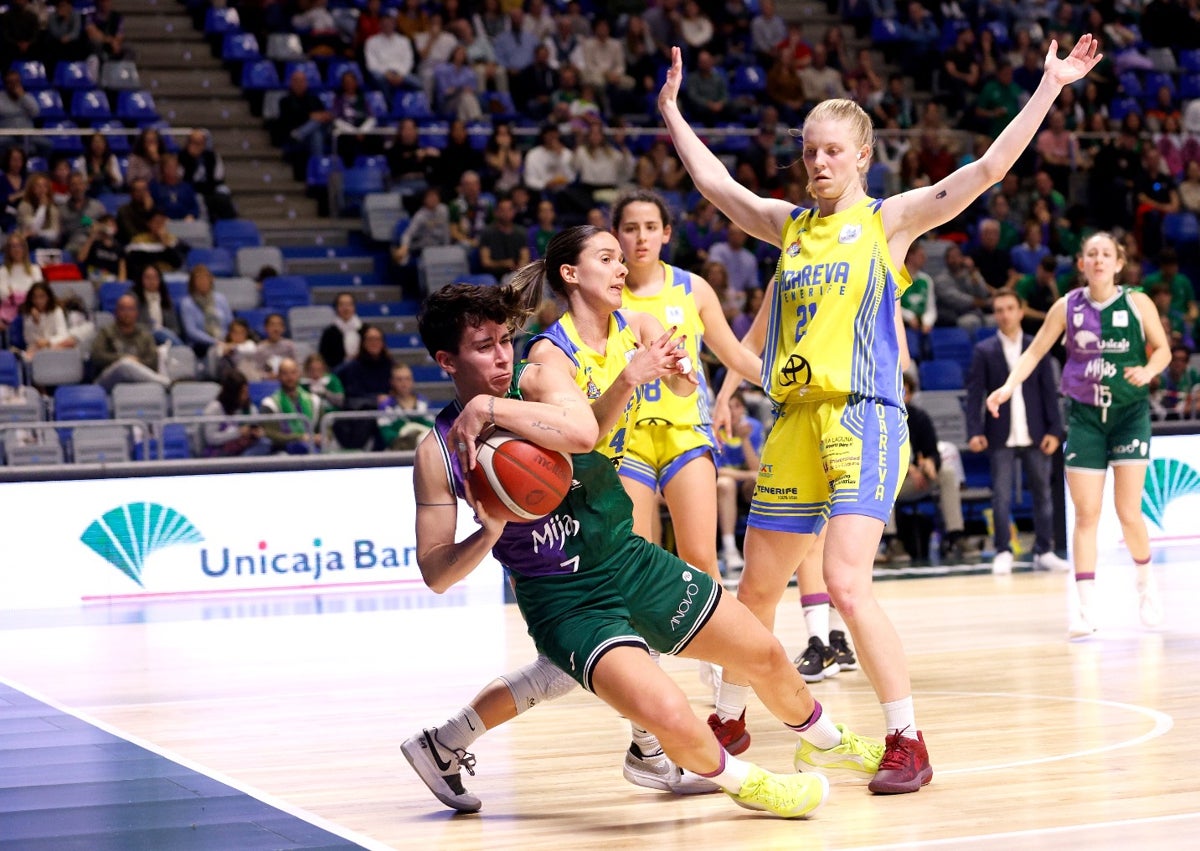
[(832, 361)]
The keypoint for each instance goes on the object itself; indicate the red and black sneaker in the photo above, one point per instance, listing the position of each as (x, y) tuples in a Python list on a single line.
[(905, 766), (731, 734)]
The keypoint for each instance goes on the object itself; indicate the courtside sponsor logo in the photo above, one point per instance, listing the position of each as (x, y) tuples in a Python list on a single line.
[(1167, 479), (126, 536), (685, 604)]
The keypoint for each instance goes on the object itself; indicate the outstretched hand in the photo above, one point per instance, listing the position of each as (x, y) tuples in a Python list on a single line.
[(670, 90), (997, 398), (1082, 59)]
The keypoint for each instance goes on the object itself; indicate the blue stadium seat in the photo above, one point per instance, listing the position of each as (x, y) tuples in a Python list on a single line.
[(886, 31), (377, 105), (66, 143), (1189, 86), (260, 390), (433, 134), (236, 233), (984, 332), (137, 107), (951, 344), (90, 105), (50, 105), (478, 133), (240, 47), (941, 375), (283, 292), (311, 71), (376, 161), (748, 80), (80, 402), (1181, 228), (118, 142), (411, 105), (33, 75), (69, 76), (500, 106), (260, 75), (176, 446), (319, 169), (1154, 81), (1189, 60), (358, 183), (256, 318), (1131, 85), (109, 292), (218, 260), (10, 369), (218, 22), (1122, 106), (428, 372), (333, 77)]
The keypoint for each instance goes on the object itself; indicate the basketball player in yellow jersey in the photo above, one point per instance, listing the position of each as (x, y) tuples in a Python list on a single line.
[(832, 365), (672, 445)]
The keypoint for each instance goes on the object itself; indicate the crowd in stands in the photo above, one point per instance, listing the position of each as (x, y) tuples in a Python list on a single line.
[(499, 122)]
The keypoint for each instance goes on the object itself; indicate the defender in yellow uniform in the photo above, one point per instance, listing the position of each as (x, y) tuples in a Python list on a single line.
[(840, 444), (831, 325), (597, 371), (670, 430)]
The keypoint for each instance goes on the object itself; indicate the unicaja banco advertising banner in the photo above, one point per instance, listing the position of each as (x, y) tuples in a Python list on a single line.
[(1170, 500), (83, 541)]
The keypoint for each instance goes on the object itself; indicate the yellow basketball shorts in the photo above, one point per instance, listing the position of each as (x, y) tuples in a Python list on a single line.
[(844, 455)]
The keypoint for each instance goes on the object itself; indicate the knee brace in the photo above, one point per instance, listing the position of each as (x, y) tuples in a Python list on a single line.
[(538, 681)]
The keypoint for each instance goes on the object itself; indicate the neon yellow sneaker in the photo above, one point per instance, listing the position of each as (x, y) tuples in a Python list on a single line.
[(856, 755), (785, 795)]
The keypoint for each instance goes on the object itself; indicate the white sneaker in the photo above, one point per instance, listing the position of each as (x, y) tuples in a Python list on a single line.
[(733, 560), (657, 771), (1051, 561), (1150, 608), (1078, 626), (438, 767), (1002, 563)]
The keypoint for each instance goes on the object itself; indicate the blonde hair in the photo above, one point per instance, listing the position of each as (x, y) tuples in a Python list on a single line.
[(861, 128)]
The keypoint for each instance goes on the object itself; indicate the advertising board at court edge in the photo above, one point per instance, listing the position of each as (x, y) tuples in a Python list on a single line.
[(130, 536)]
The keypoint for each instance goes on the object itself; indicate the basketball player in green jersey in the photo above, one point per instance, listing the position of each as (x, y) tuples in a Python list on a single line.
[(832, 361), (595, 613), (1106, 379)]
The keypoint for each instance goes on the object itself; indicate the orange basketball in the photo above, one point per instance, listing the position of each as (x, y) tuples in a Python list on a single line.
[(518, 480)]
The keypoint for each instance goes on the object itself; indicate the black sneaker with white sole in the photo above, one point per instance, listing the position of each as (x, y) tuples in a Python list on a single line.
[(841, 648), (817, 662)]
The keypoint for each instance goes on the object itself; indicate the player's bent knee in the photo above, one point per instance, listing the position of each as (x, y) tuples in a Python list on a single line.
[(537, 682)]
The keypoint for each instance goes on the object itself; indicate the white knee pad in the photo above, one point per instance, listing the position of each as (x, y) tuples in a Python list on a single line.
[(538, 681)]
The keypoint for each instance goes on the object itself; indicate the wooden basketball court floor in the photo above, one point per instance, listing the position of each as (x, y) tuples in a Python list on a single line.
[(300, 705)]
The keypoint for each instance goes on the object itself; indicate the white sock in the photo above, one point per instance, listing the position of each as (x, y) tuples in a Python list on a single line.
[(816, 617), (646, 741), (732, 773), (835, 620), (731, 700), (461, 729), (1086, 589), (728, 543), (819, 730), (899, 716)]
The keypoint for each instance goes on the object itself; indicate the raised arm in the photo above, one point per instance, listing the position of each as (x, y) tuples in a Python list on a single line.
[(763, 218), (910, 214)]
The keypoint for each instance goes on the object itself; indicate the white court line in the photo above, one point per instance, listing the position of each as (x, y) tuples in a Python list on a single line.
[(283, 806), (1162, 725), (1032, 832)]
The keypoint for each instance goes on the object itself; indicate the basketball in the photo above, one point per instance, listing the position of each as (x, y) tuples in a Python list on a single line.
[(518, 480)]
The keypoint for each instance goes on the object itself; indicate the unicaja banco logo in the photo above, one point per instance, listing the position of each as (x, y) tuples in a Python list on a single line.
[(1167, 479), (127, 535)]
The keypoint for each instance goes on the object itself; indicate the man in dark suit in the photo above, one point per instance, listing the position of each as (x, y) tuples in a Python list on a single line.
[(1029, 427)]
